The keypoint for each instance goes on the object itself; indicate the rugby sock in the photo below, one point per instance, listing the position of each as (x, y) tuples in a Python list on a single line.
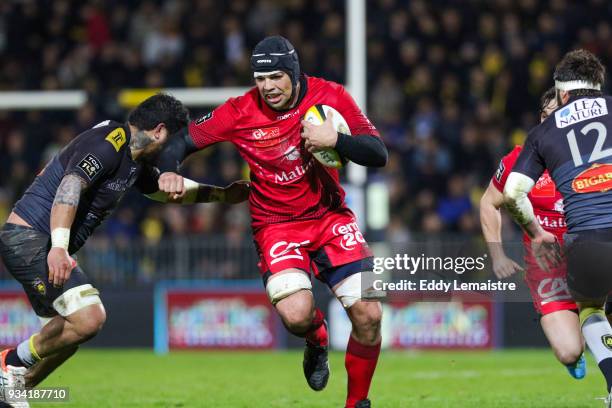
[(598, 336), (360, 362), (24, 355), (317, 335)]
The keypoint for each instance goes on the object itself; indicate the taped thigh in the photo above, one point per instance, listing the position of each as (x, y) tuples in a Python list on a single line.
[(352, 289), (77, 298), (282, 285)]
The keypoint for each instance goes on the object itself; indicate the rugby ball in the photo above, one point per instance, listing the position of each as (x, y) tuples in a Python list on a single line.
[(316, 115)]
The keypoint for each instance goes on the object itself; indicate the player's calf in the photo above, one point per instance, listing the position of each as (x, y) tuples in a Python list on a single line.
[(366, 317), (598, 335), (38, 372), (364, 342)]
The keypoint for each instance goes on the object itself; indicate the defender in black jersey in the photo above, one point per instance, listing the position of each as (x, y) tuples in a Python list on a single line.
[(574, 146), (67, 201)]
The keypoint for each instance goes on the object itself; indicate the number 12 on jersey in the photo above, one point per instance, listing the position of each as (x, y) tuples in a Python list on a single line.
[(598, 151)]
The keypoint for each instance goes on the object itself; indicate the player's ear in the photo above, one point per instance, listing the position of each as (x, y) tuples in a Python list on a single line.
[(564, 97), (160, 132)]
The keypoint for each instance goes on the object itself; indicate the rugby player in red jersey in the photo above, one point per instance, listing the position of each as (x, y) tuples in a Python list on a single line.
[(551, 296), (299, 219)]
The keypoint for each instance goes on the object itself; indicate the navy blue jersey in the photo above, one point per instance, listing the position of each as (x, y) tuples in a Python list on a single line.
[(574, 146), (100, 156)]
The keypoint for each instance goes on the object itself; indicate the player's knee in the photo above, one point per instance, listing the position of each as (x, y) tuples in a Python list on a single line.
[(298, 323), (82, 306), (568, 355), (296, 312), (90, 322)]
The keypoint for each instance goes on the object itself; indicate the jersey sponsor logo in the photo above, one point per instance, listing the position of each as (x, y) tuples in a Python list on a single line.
[(606, 339), (351, 236), (545, 187), (288, 115), (553, 289), (292, 154), (597, 178), (117, 138), (500, 171), (266, 137), (90, 165), (262, 61), (122, 184), (204, 118), (551, 222), (298, 171), (580, 110), (283, 250)]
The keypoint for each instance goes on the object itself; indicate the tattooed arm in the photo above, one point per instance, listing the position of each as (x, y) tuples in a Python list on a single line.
[(63, 212)]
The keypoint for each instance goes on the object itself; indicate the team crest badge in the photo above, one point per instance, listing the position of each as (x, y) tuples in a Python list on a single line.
[(39, 286), (606, 339)]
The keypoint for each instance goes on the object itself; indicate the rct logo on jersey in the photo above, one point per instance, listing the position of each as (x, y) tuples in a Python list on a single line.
[(580, 110), (283, 250), (351, 236), (553, 289)]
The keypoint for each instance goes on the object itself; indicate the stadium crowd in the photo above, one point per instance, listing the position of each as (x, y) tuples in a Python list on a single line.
[(452, 86)]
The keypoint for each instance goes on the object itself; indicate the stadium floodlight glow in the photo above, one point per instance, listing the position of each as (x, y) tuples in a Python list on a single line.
[(30, 100), (192, 97)]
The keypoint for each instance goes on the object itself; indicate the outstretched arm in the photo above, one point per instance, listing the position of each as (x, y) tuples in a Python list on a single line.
[(63, 212), (235, 193), (490, 219)]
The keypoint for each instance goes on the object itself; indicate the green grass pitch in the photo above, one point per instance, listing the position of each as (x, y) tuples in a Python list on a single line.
[(138, 378)]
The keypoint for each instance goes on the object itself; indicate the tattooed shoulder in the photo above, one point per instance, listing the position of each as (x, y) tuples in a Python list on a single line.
[(69, 190)]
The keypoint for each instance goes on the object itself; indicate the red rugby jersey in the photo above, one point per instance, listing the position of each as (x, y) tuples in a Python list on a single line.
[(288, 183), (546, 200)]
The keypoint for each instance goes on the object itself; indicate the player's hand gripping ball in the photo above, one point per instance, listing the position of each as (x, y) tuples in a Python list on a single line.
[(321, 125)]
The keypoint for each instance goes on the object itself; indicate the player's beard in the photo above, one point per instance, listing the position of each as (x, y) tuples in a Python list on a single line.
[(288, 104), (143, 144)]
